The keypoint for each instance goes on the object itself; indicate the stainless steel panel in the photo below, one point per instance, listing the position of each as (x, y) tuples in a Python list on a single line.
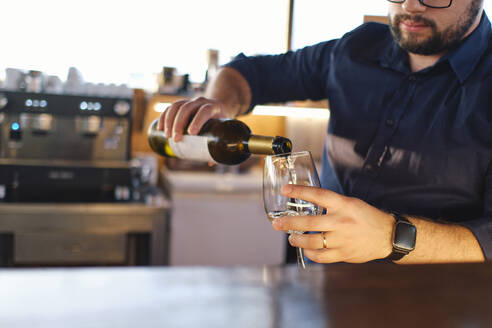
[(64, 223), (69, 248)]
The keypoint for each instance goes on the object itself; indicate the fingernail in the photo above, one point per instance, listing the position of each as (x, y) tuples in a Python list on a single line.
[(291, 239)]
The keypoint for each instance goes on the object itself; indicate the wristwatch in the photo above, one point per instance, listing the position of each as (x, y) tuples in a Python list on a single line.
[(404, 237)]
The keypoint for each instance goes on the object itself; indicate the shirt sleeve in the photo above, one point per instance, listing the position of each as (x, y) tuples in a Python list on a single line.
[(294, 75), (482, 227)]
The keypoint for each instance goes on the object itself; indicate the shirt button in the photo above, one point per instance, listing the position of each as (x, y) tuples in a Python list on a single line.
[(390, 122), (412, 78), (370, 167)]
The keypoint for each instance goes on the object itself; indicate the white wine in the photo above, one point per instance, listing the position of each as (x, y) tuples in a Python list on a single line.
[(276, 214), (293, 204), (222, 141)]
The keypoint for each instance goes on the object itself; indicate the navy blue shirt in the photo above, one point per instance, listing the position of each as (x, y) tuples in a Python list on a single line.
[(418, 143)]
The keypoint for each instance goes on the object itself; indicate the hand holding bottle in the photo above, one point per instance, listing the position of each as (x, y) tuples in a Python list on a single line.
[(209, 137), (196, 112)]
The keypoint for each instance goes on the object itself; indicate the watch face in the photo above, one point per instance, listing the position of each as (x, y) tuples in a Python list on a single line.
[(404, 237)]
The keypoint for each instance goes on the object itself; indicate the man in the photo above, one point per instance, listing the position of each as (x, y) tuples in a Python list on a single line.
[(407, 167)]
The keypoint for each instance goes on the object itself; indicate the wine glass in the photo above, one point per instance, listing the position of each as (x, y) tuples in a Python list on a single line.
[(291, 168)]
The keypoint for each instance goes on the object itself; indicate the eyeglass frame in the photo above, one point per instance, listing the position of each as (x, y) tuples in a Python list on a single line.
[(423, 4)]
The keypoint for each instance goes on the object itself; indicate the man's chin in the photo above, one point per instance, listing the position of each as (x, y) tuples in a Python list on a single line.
[(415, 43), (419, 48)]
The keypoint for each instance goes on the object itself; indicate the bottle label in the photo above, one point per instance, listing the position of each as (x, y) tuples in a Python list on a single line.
[(192, 148)]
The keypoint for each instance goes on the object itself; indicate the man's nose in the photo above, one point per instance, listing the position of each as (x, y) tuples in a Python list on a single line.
[(413, 6)]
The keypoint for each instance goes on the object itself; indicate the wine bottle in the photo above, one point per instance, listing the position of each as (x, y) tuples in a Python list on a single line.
[(224, 141)]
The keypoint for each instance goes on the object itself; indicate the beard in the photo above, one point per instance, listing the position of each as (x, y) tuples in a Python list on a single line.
[(439, 41)]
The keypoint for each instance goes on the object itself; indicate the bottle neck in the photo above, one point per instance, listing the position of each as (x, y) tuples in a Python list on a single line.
[(268, 145)]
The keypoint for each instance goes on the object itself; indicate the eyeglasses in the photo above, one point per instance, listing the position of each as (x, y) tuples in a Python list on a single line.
[(430, 3)]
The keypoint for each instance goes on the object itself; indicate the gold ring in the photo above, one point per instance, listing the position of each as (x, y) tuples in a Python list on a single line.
[(324, 240)]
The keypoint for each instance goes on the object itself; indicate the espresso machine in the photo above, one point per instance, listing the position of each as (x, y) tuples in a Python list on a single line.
[(70, 191), (65, 148)]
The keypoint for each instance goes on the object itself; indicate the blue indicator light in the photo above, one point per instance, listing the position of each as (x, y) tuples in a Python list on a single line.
[(15, 126)]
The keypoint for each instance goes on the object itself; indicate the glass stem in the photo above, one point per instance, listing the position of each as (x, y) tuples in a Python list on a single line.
[(300, 258)]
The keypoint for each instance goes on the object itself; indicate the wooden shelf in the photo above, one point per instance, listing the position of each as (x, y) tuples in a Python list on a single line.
[(377, 19)]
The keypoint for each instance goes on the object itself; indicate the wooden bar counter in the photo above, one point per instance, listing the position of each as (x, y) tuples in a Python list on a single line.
[(370, 295)]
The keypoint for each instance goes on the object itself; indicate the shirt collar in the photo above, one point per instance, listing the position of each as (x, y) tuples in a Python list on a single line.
[(462, 59), (395, 57), (466, 56)]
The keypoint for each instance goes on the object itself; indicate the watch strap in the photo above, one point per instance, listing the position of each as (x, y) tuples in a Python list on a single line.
[(396, 255)]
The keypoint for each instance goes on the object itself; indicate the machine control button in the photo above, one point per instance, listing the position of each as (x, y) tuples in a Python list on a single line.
[(122, 193), (3, 101), (15, 131), (122, 107), (3, 191)]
